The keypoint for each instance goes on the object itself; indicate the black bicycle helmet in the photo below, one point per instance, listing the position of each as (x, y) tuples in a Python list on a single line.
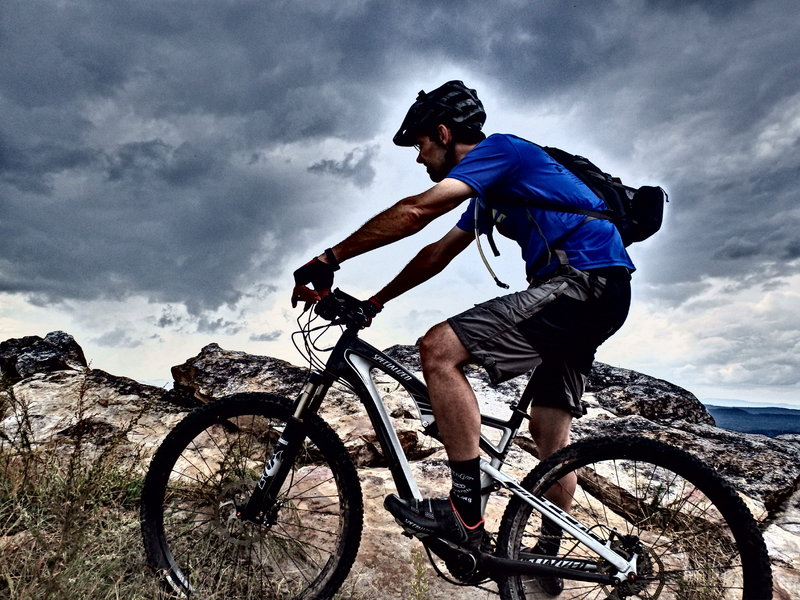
[(453, 104)]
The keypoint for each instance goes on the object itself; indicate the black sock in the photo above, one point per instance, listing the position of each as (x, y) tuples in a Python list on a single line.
[(549, 538), (466, 491)]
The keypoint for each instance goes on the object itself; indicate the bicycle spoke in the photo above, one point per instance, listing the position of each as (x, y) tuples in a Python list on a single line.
[(301, 545), (652, 506)]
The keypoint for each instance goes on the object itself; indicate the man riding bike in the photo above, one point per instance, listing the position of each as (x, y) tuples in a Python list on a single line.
[(578, 293)]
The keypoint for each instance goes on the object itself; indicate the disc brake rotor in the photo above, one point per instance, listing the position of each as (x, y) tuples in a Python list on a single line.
[(228, 524), (649, 570)]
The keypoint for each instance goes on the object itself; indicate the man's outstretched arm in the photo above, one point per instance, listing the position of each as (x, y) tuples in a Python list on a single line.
[(405, 218)]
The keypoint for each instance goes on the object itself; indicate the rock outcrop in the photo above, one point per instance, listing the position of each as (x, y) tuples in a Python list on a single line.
[(64, 398), (623, 392), (23, 357), (216, 372)]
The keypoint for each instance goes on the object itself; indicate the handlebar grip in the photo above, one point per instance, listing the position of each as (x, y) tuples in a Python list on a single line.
[(329, 307), (339, 305)]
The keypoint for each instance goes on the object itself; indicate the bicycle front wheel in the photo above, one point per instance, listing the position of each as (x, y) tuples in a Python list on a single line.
[(205, 471), (694, 537)]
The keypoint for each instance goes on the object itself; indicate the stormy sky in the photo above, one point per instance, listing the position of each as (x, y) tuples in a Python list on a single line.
[(165, 166)]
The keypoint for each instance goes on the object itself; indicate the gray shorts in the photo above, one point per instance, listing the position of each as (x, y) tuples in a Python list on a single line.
[(554, 327)]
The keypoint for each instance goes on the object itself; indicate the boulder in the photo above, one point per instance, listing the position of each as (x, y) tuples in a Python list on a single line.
[(216, 372), (625, 392), (23, 357), (92, 406), (57, 397), (765, 470)]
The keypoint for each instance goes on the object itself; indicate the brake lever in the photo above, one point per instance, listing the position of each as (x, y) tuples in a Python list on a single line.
[(328, 308)]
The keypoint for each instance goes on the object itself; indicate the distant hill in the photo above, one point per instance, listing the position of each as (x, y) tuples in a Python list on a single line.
[(771, 421)]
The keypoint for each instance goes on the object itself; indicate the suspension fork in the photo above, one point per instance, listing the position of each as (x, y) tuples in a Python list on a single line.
[(263, 499)]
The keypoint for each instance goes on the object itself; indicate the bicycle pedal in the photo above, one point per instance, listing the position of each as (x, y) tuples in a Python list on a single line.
[(452, 545), (408, 532), (428, 538)]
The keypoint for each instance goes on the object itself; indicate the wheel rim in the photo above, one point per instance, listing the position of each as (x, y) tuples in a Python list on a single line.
[(688, 549), (212, 553)]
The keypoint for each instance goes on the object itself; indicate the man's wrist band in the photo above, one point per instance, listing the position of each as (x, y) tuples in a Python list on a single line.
[(331, 259)]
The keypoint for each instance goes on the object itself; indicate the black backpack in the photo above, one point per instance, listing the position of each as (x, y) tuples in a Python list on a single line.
[(637, 213)]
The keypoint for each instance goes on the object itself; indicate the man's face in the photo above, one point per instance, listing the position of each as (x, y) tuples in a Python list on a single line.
[(434, 155)]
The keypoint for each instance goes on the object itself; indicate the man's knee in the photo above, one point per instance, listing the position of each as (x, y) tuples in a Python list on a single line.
[(440, 346)]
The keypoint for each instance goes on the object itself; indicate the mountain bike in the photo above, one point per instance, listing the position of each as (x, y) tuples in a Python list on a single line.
[(254, 496)]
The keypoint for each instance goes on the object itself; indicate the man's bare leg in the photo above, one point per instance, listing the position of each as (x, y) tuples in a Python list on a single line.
[(458, 419), (550, 429), (452, 398)]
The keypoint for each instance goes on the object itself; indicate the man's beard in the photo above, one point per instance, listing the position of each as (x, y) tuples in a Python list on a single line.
[(437, 175)]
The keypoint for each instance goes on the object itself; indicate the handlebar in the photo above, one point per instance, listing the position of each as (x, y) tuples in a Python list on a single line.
[(342, 309)]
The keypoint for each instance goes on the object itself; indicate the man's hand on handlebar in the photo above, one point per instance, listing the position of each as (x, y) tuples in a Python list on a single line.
[(338, 305), (347, 310), (370, 308), (319, 274), (306, 294)]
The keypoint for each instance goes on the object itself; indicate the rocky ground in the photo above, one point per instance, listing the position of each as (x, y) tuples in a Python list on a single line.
[(63, 395)]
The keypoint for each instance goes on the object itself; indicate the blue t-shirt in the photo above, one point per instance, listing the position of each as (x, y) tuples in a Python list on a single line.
[(511, 173)]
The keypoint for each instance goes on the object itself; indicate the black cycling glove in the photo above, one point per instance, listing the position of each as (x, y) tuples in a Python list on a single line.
[(315, 272), (319, 274), (370, 308)]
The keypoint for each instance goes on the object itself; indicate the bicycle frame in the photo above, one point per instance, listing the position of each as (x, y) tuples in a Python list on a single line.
[(352, 360)]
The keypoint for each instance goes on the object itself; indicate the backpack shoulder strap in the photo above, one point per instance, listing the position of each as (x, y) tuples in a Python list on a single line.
[(606, 215)]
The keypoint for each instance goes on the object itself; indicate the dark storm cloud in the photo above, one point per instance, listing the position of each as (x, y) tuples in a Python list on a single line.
[(269, 336), (117, 338), (93, 204), (356, 166), (144, 146), (219, 325)]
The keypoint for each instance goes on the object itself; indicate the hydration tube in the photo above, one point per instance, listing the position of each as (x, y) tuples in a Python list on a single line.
[(480, 250)]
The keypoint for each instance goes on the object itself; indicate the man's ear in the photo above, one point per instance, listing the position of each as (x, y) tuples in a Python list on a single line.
[(445, 135)]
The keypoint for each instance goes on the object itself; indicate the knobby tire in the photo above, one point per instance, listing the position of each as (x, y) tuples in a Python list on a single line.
[(698, 539), (208, 465)]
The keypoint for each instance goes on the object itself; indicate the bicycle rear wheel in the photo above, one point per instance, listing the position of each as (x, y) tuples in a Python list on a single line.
[(206, 468), (694, 537)]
